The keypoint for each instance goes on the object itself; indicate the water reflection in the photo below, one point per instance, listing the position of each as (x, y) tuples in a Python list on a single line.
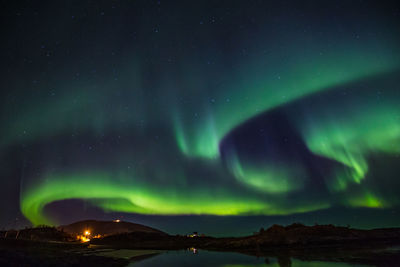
[(194, 257), (194, 250)]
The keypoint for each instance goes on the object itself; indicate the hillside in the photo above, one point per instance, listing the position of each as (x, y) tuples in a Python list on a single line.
[(283, 237), (298, 235), (106, 228)]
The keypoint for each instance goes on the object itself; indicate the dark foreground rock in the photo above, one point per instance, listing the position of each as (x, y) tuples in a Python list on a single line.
[(41, 233), (14, 252), (375, 247)]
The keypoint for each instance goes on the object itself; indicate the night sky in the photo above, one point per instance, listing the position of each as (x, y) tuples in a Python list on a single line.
[(213, 116)]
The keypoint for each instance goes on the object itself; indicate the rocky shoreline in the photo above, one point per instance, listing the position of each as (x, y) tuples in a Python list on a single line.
[(375, 247)]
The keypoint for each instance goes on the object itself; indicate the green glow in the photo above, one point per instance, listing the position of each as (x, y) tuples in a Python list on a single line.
[(258, 88), (103, 191), (174, 116), (365, 200), (139, 199), (349, 137), (267, 178), (205, 144), (261, 83)]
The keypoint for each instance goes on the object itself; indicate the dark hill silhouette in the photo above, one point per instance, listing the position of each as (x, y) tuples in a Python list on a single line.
[(375, 247), (40, 233), (294, 236), (301, 236), (105, 228)]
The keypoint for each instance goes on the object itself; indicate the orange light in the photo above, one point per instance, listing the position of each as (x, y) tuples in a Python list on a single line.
[(117, 220), (87, 232), (82, 238)]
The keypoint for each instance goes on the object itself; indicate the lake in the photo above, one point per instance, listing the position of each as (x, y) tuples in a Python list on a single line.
[(199, 258)]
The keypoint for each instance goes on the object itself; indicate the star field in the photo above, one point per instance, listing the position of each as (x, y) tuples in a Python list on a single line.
[(238, 109)]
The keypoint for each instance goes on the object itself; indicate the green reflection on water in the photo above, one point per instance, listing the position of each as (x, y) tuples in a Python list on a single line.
[(229, 259)]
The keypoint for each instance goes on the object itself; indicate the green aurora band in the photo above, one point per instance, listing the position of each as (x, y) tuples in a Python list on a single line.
[(291, 80), (221, 99), (142, 198), (347, 138)]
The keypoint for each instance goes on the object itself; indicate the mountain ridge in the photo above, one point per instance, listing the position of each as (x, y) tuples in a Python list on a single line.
[(105, 228)]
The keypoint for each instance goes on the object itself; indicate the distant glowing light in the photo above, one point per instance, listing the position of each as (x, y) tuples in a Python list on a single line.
[(85, 237)]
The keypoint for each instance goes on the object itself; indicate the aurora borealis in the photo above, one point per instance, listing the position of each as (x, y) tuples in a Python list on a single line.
[(231, 108)]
